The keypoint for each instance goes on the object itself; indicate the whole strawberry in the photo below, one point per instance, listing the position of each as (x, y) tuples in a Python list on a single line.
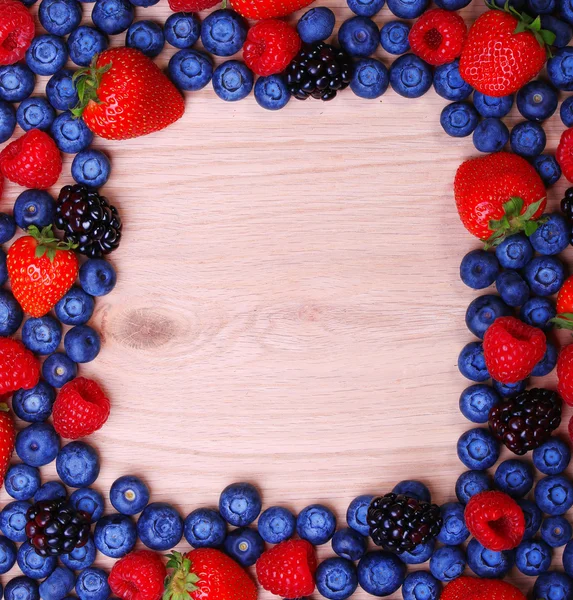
[(32, 161), (7, 440), (498, 195), (191, 5), (138, 576), (565, 374), (41, 270), (123, 94), (503, 51), (19, 368), (268, 9), (80, 409), (470, 588), (512, 349), (16, 31), (438, 36), (288, 569), (564, 319), (270, 47), (207, 574)]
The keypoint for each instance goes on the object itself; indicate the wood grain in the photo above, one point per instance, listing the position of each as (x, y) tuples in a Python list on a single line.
[(288, 308)]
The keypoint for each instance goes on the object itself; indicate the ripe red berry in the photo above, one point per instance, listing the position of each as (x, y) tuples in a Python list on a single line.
[(191, 5), (19, 368), (16, 31), (438, 36), (564, 154), (470, 588), (495, 520), (270, 46), (138, 576), (565, 375), (80, 409), (32, 161)]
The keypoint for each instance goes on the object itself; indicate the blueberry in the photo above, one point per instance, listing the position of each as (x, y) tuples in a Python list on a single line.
[(77, 464), (479, 269), (84, 43), (476, 401), (541, 7), (349, 544), (76, 307), (58, 369), (115, 535), (11, 314), (359, 36), (34, 207), (407, 9), (58, 585), (7, 121), (471, 483), (410, 76), (420, 554), (471, 362), (3, 267), (449, 84), (413, 488), (316, 524), (90, 501), (545, 275), (448, 563), (276, 524), (488, 563), (514, 477), (37, 444), (559, 68), (554, 494), (459, 119), (528, 139), (514, 252), (381, 573), (70, 134), (563, 32), (47, 54), (553, 457), (91, 168), (512, 288), (240, 504), (548, 168), (537, 100), (365, 8), (7, 554), (160, 527), (17, 82), (22, 481), (533, 557), (232, 81), (316, 25), (547, 363), (336, 578), (454, 531), (145, 36), (97, 277), (182, 29), (509, 390), (92, 584), (420, 585), (552, 236), (80, 558), (491, 135), (223, 32), (205, 528), (357, 513), (35, 113), (271, 92), (82, 343), (42, 335), (112, 16), (7, 227), (33, 565), (60, 17), (370, 78), (190, 70), (566, 112), (489, 106), (394, 37), (51, 490), (483, 311), (244, 545), (556, 531), (13, 521), (532, 516), (21, 588), (478, 449), (129, 495), (553, 586), (61, 90)]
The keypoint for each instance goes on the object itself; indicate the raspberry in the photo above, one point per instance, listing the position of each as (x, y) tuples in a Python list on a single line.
[(564, 154), (438, 36), (191, 5), (19, 368), (495, 520), (80, 409), (270, 47), (138, 576), (512, 349), (16, 31), (32, 161), (565, 374), (470, 588)]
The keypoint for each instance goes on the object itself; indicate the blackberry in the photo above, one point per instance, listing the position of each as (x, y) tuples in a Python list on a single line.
[(527, 420), (54, 527), (319, 70), (400, 523), (88, 220)]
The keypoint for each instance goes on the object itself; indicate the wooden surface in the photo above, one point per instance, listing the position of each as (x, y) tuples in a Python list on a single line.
[(288, 308)]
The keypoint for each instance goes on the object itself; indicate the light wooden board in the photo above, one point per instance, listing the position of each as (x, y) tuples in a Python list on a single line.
[(288, 309)]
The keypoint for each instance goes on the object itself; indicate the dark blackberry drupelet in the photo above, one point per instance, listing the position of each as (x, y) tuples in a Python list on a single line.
[(527, 420), (567, 210), (401, 523), (319, 71), (55, 528), (89, 220)]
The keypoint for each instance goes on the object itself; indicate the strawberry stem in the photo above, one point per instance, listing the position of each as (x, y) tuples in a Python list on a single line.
[(513, 221), (87, 81), (563, 321), (46, 242), (181, 582)]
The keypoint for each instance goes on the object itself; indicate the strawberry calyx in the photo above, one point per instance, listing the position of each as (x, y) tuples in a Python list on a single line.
[(563, 321), (87, 82), (4, 407), (181, 582), (514, 222), (47, 244)]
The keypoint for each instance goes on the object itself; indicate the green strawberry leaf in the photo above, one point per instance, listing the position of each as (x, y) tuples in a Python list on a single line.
[(563, 321), (514, 221)]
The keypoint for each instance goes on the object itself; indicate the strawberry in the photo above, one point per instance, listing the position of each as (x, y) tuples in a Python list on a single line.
[(138, 576), (41, 270), (288, 569), (438, 36), (16, 31), (498, 195), (564, 154), (268, 9), (503, 51), (19, 368), (565, 374), (191, 5), (470, 588), (207, 574), (7, 440), (123, 94), (564, 319)]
